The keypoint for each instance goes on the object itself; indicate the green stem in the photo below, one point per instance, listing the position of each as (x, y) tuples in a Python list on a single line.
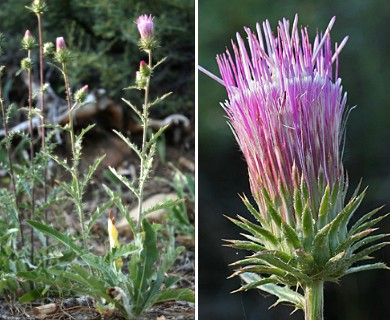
[(30, 101), (145, 121), (75, 171), (314, 301), (42, 98)]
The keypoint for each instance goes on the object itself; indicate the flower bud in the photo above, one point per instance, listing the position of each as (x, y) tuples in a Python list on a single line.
[(62, 54), (60, 44), (81, 94), (27, 34), (48, 48), (144, 69), (26, 64), (28, 41), (38, 6), (140, 80)]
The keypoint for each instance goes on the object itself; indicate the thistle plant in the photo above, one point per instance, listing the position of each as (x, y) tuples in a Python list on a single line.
[(287, 110), (144, 281)]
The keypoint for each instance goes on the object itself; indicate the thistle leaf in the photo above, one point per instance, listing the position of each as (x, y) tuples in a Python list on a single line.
[(137, 112), (367, 241), (284, 294), (323, 218), (175, 294), (320, 249), (55, 234), (364, 254), (254, 212), (291, 236), (257, 231), (130, 144), (307, 227), (275, 216), (130, 185), (360, 225), (255, 284), (245, 245), (366, 267), (163, 205)]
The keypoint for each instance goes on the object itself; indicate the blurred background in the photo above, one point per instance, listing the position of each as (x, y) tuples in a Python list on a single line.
[(365, 69)]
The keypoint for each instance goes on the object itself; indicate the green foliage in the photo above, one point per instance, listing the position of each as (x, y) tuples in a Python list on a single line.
[(31, 262), (178, 214), (321, 247)]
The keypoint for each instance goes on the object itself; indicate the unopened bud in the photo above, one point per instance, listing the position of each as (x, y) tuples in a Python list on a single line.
[(60, 44), (28, 41), (81, 94), (62, 54), (144, 69), (48, 48), (140, 80), (26, 64)]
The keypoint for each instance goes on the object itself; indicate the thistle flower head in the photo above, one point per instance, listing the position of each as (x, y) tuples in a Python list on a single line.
[(145, 26), (285, 106)]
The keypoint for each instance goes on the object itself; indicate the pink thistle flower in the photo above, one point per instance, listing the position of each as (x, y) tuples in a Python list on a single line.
[(145, 26), (286, 108), (60, 44)]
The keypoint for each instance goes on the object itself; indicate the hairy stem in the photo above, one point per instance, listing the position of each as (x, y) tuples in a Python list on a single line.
[(11, 167), (75, 172), (29, 73), (145, 117), (314, 301)]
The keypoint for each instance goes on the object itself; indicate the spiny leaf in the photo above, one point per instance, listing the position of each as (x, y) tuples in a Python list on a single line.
[(307, 227), (275, 216), (98, 213), (259, 270), (324, 208), (362, 255), (163, 205), (366, 267), (291, 236), (55, 234), (91, 170), (137, 112), (284, 294), (298, 207), (159, 99), (358, 226), (352, 239), (244, 245), (367, 241), (256, 230), (155, 136), (130, 185), (320, 249), (255, 284), (254, 212), (130, 144), (273, 261)]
